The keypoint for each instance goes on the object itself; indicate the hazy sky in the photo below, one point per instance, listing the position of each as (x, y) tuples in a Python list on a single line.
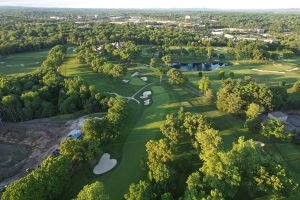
[(225, 4)]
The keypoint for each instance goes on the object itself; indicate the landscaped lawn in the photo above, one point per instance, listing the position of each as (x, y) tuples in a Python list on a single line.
[(21, 62)]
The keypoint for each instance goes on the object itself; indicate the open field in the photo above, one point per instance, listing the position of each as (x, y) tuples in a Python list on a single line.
[(21, 62)]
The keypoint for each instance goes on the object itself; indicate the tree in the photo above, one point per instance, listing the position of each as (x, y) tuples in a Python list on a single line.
[(200, 74), (275, 128), (117, 110), (153, 62), (140, 191), (229, 102), (159, 152), (46, 182), (208, 95), (254, 110), (175, 76), (253, 125), (160, 72), (100, 130), (280, 97), (94, 191), (167, 60), (204, 84), (73, 148), (296, 86), (210, 53)]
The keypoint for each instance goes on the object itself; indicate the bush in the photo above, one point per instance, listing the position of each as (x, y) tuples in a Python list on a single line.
[(231, 75)]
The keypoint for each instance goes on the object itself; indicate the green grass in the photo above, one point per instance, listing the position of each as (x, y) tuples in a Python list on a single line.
[(13, 64), (72, 67)]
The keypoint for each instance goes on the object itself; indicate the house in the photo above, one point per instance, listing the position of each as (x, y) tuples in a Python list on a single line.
[(75, 134), (278, 115)]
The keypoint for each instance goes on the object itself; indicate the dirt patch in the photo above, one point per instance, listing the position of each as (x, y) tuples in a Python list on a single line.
[(26, 144)]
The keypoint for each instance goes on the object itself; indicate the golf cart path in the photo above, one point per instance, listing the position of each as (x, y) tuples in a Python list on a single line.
[(132, 97)]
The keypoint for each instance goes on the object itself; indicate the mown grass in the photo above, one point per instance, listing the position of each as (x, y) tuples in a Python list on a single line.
[(71, 68), (21, 62)]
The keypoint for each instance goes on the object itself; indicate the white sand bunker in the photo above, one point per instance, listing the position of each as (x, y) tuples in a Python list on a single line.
[(146, 94), (22, 65), (144, 78), (105, 164), (135, 74), (147, 102), (2, 62), (268, 71), (290, 70), (125, 81), (261, 144)]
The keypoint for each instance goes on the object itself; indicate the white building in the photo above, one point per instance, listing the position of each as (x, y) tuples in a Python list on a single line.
[(187, 17)]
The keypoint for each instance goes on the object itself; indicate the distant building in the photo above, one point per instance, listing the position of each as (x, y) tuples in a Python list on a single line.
[(217, 33), (278, 115), (187, 17), (229, 36)]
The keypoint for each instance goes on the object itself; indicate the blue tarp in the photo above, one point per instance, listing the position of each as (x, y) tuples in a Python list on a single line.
[(75, 134)]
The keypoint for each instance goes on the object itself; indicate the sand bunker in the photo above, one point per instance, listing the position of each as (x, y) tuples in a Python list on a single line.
[(125, 81), (105, 164), (147, 102), (268, 71), (290, 70), (144, 78), (146, 94), (135, 74), (22, 65)]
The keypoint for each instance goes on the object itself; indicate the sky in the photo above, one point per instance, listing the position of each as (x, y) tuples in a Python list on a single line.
[(217, 4)]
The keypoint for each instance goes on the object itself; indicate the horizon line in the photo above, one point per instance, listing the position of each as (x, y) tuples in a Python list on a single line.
[(150, 8)]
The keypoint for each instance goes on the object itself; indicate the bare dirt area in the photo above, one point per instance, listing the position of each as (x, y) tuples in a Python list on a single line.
[(25, 145)]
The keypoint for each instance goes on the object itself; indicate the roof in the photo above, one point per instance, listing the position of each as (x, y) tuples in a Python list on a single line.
[(278, 114), (75, 134)]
